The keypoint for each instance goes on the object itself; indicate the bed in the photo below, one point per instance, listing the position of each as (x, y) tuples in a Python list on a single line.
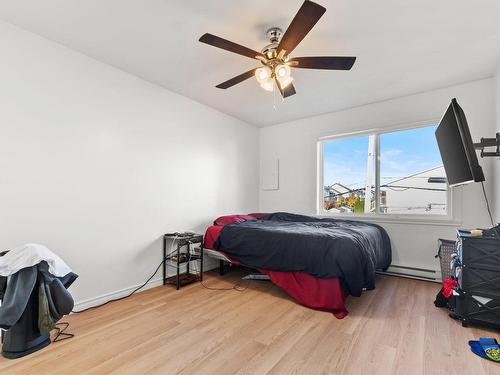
[(317, 261)]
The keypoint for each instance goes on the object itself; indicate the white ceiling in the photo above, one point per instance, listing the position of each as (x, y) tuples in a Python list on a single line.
[(403, 47)]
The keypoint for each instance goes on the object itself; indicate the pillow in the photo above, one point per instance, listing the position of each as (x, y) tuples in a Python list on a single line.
[(233, 219)]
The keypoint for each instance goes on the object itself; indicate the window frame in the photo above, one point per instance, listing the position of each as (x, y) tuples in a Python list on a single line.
[(453, 196)]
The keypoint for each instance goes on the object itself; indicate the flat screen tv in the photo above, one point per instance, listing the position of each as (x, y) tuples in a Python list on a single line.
[(456, 147)]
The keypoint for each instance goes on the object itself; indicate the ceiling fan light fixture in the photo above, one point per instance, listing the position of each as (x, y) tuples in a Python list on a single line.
[(283, 74), (284, 82), (282, 71), (268, 85), (275, 57), (263, 74)]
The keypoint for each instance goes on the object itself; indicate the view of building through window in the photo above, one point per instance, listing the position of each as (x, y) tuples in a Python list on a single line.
[(411, 179), (348, 174)]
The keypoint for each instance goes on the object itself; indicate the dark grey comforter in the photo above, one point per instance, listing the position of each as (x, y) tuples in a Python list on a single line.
[(321, 247)]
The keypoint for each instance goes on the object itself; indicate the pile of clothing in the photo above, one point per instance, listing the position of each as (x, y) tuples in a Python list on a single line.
[(33, 285)]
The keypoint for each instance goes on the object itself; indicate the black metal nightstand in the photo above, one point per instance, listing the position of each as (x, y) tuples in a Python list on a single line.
[(184, 254)]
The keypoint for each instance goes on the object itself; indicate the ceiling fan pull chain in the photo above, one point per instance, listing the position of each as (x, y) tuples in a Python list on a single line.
[(274, 98)]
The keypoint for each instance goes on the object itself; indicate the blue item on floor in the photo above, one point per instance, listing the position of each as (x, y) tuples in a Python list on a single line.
[(487, 348)]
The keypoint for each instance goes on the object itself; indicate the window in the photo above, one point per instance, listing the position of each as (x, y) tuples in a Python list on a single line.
[(348, 175), (398, 172)]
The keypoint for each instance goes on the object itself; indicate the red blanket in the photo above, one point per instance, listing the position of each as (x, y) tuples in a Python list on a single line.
[(319, 294)]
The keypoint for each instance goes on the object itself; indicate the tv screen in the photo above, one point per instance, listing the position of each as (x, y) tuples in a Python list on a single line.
[(456, 147)]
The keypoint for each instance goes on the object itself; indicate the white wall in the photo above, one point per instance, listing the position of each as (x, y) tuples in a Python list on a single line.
[(295, 145), (97, 164)]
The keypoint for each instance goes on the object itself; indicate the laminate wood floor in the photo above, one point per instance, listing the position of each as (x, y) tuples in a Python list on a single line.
[(394, 329)]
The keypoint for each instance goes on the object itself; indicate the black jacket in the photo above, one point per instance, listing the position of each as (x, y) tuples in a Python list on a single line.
[(16, 290)]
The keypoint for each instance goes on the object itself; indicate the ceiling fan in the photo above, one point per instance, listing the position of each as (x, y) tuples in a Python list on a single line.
[(275, 57)]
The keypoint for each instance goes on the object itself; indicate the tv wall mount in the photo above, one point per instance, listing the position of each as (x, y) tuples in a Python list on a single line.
[(489, 142)]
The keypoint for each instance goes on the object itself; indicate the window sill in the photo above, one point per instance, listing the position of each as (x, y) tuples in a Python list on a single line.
[(446, 221)]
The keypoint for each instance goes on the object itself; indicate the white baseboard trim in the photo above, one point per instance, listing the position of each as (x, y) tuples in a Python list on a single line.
[(95, 301), (394, 270)]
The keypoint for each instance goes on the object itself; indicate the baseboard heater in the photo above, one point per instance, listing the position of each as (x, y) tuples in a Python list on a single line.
[(412, 273)]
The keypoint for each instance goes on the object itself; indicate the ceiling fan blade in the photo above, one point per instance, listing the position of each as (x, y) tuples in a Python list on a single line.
[(323, 62), (289, 90), (219, 42), (235, 80), (305, 19)]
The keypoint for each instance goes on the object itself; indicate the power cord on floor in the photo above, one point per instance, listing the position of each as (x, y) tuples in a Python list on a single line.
[(61, 335), (136, 289), (128, 295), (237, 287)]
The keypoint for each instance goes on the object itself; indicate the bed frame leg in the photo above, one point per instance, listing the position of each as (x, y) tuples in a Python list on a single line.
[(221, 267)]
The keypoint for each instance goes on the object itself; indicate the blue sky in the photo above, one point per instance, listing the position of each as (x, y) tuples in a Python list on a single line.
[(401, 153)]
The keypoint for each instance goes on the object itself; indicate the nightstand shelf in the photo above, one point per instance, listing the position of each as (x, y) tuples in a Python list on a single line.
[(184, 279), (185, 259)]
